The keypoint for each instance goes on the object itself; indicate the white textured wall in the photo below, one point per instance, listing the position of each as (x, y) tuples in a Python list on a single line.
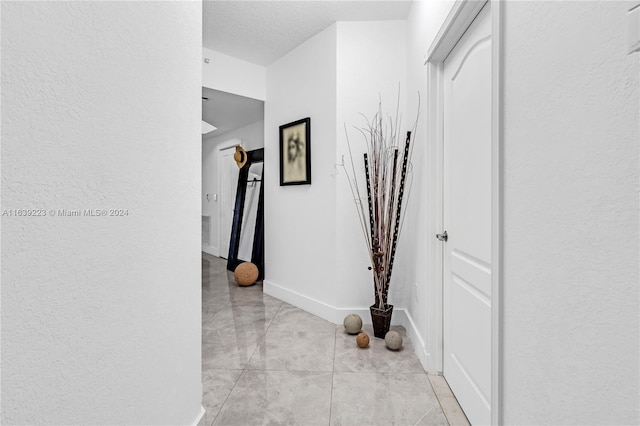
[(571, 135), (315, 254), (100, 110), (252, 137), (300, 221), (570, 210), (232, 75), (371, 67)]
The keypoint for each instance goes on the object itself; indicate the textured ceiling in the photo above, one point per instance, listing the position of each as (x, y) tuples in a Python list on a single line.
[(262, 31)]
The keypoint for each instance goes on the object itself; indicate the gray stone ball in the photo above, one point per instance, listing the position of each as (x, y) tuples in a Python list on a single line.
[(352, 323), (393, 340)]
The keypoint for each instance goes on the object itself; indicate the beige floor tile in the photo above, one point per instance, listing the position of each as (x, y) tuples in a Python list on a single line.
[(291, 318), (216, 387), (267, 362), (278, 397), (448, 401), (375, 358), (384, 399), (294, 351)]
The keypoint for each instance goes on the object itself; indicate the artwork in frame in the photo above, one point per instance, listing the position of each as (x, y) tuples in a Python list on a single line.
[(295, 153)]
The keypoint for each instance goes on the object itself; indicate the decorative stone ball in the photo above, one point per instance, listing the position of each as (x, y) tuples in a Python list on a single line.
[(246, 274), (393, 340), (352, 323), (362, 340)]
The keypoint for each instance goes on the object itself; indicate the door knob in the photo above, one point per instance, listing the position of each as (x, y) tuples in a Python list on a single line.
[(443, 236)]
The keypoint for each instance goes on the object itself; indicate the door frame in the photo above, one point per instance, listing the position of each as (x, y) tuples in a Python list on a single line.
[(462, 14), (231, 143)]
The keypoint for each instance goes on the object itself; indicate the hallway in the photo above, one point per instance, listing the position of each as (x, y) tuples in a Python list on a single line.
[(267, 362)]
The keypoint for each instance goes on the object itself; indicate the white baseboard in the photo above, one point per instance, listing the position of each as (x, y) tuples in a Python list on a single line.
[(336, 315), (213, 251), (313, 306), (200, 419), (419, 346)]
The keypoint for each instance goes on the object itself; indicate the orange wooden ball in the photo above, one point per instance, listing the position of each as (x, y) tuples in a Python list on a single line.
[(362, 340), (246, 274)]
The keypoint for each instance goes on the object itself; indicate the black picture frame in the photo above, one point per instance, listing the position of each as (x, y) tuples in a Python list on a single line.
[(295, 153)]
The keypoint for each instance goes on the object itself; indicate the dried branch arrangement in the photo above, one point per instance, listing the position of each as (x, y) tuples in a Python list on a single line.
[(386, 171)]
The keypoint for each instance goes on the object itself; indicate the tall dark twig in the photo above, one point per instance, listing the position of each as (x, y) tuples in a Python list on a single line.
[(385, 182), (396, 226)]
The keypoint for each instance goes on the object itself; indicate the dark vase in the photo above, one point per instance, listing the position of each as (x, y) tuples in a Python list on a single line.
[(381, 320)]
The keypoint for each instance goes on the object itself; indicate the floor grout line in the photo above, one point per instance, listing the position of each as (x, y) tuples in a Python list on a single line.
[(449, 415), (290, 320), (246, 364), (333, 372)]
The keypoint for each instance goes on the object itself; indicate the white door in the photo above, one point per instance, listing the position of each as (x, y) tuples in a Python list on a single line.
[(228, 179), (467, 219)]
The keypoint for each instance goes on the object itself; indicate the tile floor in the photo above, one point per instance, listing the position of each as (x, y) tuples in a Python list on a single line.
[(266, 362)]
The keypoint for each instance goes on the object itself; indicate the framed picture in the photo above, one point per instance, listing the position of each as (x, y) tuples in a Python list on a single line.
[(295, 153)]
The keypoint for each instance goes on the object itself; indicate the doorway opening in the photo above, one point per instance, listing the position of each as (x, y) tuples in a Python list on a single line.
[(239, 121)]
